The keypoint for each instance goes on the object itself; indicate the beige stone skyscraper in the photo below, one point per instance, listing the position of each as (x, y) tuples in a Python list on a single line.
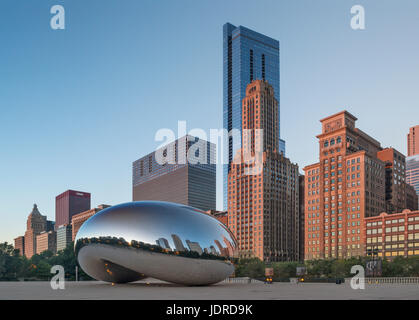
[(35, 224)]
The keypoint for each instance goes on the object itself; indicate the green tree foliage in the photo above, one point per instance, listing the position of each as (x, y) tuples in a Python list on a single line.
[(327, 268), (9, 262), (284, 269), (15, 267), (253, 268)]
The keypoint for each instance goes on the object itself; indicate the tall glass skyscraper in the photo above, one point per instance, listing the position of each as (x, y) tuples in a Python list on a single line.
[(247, 56)]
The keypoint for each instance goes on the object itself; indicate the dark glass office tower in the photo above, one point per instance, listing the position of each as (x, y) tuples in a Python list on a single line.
[(247, 56), (179, 179)]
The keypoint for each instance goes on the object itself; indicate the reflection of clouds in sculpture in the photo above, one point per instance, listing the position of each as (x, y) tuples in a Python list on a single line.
[(163, 240)]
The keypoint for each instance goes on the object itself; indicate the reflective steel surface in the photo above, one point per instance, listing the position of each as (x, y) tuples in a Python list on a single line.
[(163, 240)]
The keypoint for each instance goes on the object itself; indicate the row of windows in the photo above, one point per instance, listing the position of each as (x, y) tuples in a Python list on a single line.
[(393, 229), (332, 141), (393, 221)]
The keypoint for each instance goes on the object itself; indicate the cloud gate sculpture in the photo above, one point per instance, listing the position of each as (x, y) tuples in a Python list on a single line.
[(162, 240)]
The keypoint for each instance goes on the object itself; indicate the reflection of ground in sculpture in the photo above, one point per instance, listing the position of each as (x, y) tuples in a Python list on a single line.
[(163, 240)]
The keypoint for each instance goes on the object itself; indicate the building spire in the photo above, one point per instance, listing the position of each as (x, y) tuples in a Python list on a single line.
[(35, 210)]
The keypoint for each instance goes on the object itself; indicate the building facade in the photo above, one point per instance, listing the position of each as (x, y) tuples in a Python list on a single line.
[(46, 240), (346, 186), (69, 203), (412, 202), (183, 171), (263, 198), (301, 194), (412, 172), (395, 181), (64, 236), (78, 219), (35, 224), (394, 234), (413, 141), (20, 245), (247, 56)]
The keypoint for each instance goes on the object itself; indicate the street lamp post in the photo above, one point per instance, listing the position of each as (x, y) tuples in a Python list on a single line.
[(373, 253)]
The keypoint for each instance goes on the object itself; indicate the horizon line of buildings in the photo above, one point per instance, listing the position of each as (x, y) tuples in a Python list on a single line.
[(275, 213), (72, 209)]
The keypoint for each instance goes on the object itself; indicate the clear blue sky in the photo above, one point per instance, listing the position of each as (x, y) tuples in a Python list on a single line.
[(77, 106)]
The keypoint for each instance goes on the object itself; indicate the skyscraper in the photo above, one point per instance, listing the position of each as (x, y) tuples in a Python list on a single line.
[(46, 240), (412, 172), (64, 233), (187, 176), (413, 141), (35, 224), (412, 161), (346, 186), (412, 199), (247, 56), (263, 204), (395, 170), (69, 203), (20, 245)]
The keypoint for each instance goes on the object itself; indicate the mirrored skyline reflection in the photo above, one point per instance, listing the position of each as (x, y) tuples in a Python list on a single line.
[(170, 226)]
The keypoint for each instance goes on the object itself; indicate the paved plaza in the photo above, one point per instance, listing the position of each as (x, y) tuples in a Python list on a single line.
[(151, 289)]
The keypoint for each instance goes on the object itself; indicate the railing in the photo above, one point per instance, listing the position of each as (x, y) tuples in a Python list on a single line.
[(392, 280), (368, 281), (241, 280)]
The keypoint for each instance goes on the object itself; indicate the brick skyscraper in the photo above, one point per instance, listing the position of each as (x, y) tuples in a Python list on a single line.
[(413, 141), (263, 204), (68, 204), (342, 189)]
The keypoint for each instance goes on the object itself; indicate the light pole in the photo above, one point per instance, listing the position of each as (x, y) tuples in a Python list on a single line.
[(373, 253)]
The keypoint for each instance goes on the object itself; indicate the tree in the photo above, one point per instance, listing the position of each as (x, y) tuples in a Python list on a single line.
[(253, 268), (38, 267), (285, 269), (338, 269), (9, 262)]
